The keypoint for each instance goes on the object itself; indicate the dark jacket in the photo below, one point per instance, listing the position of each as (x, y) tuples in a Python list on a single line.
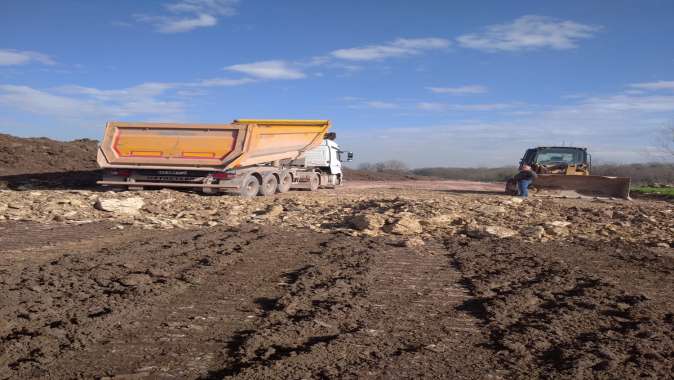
[(526, 175)]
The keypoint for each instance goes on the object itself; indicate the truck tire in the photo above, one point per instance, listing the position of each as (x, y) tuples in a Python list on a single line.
[(284, 183), (269, 185), (249, 187), (314, 182)]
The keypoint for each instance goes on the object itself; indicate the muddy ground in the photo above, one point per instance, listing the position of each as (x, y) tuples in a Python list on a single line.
[(383, 278), (361, 282)]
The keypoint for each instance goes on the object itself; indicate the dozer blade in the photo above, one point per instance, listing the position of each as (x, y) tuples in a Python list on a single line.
[(581, 186)]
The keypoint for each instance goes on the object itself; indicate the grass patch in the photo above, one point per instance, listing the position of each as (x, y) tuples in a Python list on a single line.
[(662, 191)]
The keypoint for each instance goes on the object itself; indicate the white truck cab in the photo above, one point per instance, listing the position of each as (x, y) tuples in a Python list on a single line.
[(327, 158)]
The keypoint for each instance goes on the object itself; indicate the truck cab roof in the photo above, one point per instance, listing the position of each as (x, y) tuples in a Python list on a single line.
[(560, 147)]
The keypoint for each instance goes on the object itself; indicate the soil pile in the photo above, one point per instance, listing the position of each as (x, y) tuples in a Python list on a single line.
[(43, 155), (42, 162)]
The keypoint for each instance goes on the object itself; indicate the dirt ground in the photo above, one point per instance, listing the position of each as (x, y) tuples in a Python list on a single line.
[(304, 291), (377, 279)]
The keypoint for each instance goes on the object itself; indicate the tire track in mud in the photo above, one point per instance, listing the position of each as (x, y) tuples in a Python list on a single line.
[(424, 305), (184, 335), (80, 299), (569, 311), (364, 308)]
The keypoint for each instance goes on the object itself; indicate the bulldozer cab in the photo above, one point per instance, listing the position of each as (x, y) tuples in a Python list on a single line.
[(558, 160)]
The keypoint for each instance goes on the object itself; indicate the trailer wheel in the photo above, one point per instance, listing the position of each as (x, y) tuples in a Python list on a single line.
[(249, 187), (284, 183), (269, 184), (314, 182)]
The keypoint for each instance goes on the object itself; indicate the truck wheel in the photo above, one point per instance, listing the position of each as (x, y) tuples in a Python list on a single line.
[(314, 182), (269, 184), (249, 187), (284, 182)]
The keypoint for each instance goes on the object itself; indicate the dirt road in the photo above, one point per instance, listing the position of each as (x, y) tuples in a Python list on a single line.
[(440, 185), (318, 286)]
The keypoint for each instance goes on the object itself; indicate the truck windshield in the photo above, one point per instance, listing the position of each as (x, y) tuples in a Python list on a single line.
[(560, 155)]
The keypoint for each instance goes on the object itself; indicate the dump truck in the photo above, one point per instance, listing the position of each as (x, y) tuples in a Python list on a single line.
[(565, 171), (248, 156)]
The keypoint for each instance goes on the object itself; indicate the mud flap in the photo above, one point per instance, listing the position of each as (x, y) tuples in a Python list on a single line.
[(581, 186)]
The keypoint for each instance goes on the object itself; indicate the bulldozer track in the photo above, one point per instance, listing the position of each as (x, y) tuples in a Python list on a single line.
[(422, 282)]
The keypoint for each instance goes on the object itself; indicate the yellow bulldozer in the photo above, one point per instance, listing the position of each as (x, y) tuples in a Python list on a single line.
[(565, 172)]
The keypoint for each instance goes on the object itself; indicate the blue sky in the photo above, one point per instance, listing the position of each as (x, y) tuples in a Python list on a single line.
[(431, 83)]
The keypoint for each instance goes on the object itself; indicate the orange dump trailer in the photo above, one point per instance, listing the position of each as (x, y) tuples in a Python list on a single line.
[(215, 157)]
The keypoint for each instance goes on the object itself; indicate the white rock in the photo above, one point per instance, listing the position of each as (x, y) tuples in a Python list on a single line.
[(273, 211), (490, 209), (440, 220), (120, 206), (480, 232), (536, 232), (406, 225), (558, 223), (363, 222), (557, 228)]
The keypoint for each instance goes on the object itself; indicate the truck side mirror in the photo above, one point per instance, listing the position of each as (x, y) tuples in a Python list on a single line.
[(349, 156)]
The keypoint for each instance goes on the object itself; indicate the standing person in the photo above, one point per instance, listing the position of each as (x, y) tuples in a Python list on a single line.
[(524, 179)]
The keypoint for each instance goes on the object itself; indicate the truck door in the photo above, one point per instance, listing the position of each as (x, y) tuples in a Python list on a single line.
[(335, 164)]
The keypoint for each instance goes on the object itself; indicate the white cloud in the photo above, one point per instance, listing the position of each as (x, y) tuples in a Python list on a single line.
[(432, 106), (529, 33), (151, 99), (611, 134), (10, 57), (376, 104), (398, 48), (215, 7), (462, 90), (630, 103), (187, 15), (355, 102), (86, 102), (439, 107), (659, 85), (275, 69), (223, 82), (187, 24), (35, 101)]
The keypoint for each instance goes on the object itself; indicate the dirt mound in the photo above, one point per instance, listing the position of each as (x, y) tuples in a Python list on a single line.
[(42, 162), (573, 311), (43, 155)]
